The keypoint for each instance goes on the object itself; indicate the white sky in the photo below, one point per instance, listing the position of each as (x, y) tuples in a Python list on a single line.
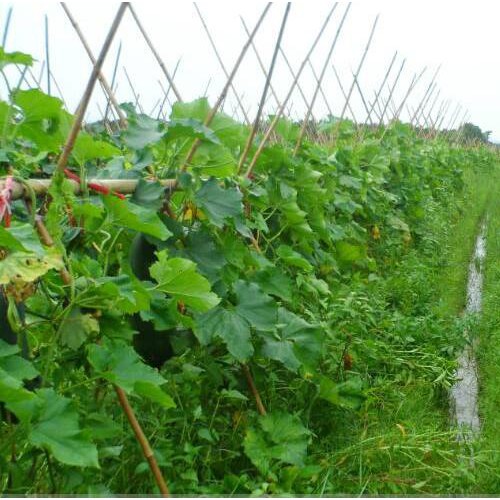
[(462, 36)]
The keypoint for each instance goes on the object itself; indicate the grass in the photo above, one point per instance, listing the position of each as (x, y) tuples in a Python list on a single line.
[(489, 354), (403, 444)]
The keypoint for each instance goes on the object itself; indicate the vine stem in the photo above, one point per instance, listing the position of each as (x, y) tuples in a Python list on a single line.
[(143, 441), (253, 388)]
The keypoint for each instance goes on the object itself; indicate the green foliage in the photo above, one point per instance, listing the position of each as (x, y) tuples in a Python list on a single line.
[(320, 274)]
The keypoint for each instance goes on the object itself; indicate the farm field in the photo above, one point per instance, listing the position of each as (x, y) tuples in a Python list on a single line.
[(195, 305)]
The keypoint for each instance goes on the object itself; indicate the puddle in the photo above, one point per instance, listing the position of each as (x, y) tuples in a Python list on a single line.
[(464, 394)]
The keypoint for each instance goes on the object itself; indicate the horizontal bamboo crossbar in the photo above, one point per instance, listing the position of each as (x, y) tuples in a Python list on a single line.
[(40, 186)]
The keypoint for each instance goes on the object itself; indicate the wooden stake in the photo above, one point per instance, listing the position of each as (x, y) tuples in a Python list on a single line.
[(265, 90), (107, 89), (82, 107), (343, 93), (321, 76), (47, 53), (273, 124), (429, 87), (67, 279), (212, 43), (229, 81), (134, 93), (155, 53), (391, 91), (6, 27), (360, 66), (382, 85), (253, 389), (143, 441), (113, 79), (413, 84)]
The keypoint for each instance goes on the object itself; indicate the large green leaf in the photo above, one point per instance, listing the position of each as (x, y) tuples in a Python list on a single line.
[(28, 267), (281, 437), (142, 130), (293, 258), (260, 310), (87, 148), (76, 327), (56, 429), (233, 329), (13, 371), (132, 216), (21, 238), (178, 277), (185, 128), (219, 204), (18, 58), (294, 343), (121, 365), (44, 121)]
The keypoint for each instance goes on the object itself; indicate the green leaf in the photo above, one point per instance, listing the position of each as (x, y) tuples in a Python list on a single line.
[(190, 128), (18, 58), (13, 371), (256, 307), (230, 327), (76, 327), (121, 365), (149, 195), (293, 258), (349, 394), (87, 148), (27, 267), (348, 252), (295, 342), (155, 394), (272, 281), (142, 130), (219, 204), (44, 121), (281, 437), (21, 238), (56, 429), (135, 217), (178, 277)]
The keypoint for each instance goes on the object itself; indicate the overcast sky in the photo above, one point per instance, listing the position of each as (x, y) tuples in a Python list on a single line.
[(462, 37)]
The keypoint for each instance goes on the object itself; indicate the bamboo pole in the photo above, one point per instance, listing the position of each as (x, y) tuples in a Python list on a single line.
[(363, 100), (322, 92), (321, 76), (413, 84), (274, 122), (6, 27), (229, 81), (429, 87), (134, 93), (267, 84), (41, 186), (82, 107), (165, 93), (221, 63), (47, 239), (384, 81), (155, 53), (113, 79), (47, 53), (391, 91), (143, 441), (344, 94), (360, 66), (107, 89)]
